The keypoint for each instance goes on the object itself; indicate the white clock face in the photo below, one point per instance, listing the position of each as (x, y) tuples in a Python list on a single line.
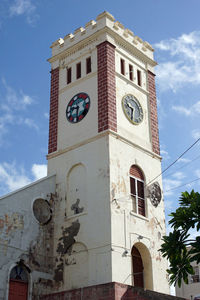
[(132, 109)]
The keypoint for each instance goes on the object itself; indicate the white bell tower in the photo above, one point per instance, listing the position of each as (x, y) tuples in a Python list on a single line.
[(104, 150)]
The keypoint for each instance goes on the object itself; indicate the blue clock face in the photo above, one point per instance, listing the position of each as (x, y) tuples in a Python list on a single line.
[(78, 107)]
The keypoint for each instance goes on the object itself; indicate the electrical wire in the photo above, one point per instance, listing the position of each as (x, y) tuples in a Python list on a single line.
[(186, 164), (176, 187), (173, 162)]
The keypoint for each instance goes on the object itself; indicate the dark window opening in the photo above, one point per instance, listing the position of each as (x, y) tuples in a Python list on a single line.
[(137, 191), (131, 72), (139, 81), (195, 277), (122, 66), (69, 75), (88, 65), (78, 71), (138, 278)]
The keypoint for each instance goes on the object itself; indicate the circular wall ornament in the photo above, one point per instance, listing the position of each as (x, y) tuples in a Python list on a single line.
[(78, 107), (132, 109), (155, 193), (42, 211)]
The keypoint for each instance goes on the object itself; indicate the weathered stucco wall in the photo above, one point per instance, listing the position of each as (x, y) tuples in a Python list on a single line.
[(82, 240), (24, 240), (110, 291), (193, 287), (129, 228), (95, 226)]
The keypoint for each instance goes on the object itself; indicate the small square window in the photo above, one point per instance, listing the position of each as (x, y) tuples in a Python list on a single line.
[(78, 70), (69, 75), (88, 65)]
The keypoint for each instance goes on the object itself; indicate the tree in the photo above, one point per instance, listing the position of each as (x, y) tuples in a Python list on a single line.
[(176, 244)]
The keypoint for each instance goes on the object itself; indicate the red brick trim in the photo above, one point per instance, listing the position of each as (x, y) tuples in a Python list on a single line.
[(153, 113), (107, 116), (136, 172), (109, 291), (53, 118)]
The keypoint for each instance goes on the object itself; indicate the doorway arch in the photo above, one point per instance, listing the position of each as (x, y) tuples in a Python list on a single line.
[(18, 283), (142, 266), (137, 265)]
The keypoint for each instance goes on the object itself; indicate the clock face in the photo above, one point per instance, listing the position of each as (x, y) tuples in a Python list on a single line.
[(132, 109), (78, 107)]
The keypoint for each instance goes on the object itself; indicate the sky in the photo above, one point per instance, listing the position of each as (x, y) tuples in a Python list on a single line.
[(27, 29)]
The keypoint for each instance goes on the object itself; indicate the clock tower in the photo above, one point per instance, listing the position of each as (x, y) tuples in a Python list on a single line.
[(104, 149)]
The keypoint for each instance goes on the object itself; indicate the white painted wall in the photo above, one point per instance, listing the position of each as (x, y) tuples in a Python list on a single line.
[(128, 226), (107, 228), (19, 231)]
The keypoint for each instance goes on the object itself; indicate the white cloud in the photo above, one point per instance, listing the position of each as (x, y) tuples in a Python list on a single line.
[(183, 66), (178, 175), (15, 100), (169, 205), (46, 115), (196, 134), (13, 177), (39, 171), (164, 153), (182, 110), (192, 110), (24, 7), (12, 105), (183, 160), (197, 172), (169, 184), (30, 123)]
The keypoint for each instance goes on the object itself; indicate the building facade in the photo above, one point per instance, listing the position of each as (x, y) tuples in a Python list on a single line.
[(192, 289), (102, 218)]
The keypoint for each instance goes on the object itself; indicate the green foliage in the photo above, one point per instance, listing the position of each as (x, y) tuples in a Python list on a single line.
[(175, 246)]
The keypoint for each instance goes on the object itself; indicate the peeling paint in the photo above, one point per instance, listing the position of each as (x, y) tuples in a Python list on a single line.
[(68, 238), (58, 276), (75, 207), (158, 257), (9, 224), (65, 246), (70, 261), (4, 245)]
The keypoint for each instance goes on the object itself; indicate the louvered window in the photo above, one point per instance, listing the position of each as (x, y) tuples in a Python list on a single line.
[(137, 190)]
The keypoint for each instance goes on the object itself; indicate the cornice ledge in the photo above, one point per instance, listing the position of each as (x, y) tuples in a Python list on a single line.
[(98, 136), (90, 39), (87, 141), (120, 137), (131, 48)]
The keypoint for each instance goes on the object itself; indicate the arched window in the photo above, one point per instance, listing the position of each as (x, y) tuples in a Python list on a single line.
[(18, 284), (138, 276), (76, 190), (137, 190)]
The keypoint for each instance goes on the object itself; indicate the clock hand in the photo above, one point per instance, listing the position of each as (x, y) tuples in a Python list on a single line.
[(132, 110), (77, 109)]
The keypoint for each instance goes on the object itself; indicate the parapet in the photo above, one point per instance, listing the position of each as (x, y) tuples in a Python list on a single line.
[(105, 23)]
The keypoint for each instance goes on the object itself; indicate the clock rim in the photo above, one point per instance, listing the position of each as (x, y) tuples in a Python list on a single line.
[(68, 105), (138, 102)]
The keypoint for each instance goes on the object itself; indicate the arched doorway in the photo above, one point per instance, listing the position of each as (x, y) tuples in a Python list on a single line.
[(18, 284), (138, 276)]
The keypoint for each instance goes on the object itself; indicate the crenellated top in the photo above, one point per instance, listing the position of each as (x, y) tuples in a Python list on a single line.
[(113, 31)]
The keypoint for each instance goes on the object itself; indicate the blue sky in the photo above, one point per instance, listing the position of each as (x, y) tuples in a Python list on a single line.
[(27, 29)]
